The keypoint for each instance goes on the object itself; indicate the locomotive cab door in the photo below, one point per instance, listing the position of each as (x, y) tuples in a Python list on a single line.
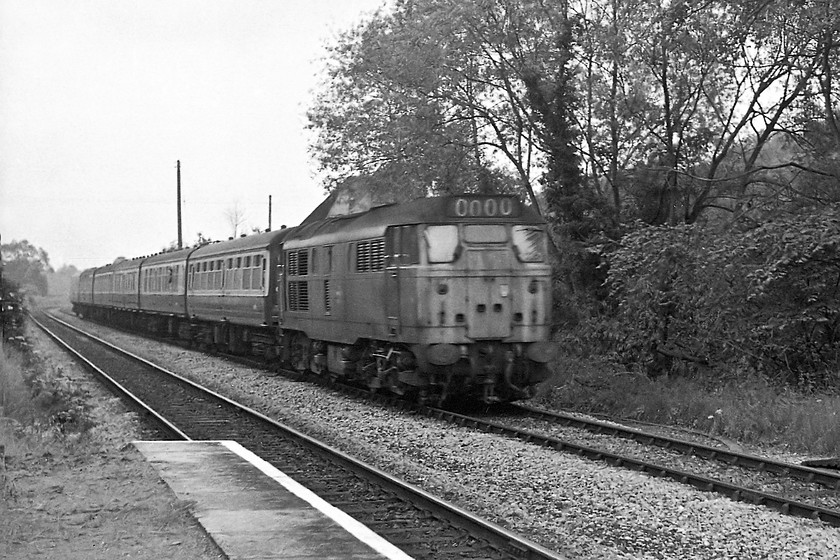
[(392, 280), (279, 287), (402, 249)]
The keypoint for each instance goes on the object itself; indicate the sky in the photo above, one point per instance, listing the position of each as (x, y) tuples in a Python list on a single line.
[(100, 98)]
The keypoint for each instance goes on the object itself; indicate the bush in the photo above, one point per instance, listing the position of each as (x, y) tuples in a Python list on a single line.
[(765, 301)]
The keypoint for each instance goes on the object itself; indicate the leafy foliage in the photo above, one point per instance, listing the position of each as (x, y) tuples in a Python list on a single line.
[(765, 301), (451, 96), (26, 265)]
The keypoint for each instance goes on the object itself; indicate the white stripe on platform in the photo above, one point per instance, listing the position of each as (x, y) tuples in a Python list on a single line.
[(355, 528)]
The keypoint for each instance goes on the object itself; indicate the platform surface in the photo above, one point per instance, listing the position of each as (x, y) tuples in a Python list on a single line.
[(255, 512)]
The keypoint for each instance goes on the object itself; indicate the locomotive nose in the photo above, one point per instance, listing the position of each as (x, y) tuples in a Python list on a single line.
[(489, 309)]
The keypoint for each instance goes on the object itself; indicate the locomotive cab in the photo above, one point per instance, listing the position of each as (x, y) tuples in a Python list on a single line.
[(471, 294)]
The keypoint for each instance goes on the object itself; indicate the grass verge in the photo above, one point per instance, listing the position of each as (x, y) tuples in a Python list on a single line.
[(749, 410), (41, 411)]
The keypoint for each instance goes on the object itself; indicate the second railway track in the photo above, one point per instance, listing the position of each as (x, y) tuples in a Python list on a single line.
[(794, 490)]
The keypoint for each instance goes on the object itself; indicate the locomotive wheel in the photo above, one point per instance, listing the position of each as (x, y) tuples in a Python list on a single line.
[(300, 355), (394, 384)]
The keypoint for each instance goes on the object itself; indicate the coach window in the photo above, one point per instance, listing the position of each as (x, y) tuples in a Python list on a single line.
[(441, 243), (246, 273), (257, 274)]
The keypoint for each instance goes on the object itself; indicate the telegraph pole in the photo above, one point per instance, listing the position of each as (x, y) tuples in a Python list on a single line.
[(269, 213), (180, 238)]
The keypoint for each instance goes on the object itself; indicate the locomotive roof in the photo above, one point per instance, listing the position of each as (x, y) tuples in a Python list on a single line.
[(433, 210)]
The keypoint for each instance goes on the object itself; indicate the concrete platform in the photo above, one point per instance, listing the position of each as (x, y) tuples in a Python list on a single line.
[(255, 512)]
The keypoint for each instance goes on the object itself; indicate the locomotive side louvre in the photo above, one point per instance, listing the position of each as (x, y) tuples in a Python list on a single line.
[(334, 285)]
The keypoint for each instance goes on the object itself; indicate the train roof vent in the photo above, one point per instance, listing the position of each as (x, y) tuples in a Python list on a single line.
[(354, 196)]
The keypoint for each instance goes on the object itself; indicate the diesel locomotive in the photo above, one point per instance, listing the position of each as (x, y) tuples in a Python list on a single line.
[(435, 298)]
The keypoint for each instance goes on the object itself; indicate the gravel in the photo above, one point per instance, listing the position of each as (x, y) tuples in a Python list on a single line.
[(787, 487), (583, 509)]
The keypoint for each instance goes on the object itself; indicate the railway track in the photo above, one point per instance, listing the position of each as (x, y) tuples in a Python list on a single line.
[(814, 496), (826, 478), (412, 519)]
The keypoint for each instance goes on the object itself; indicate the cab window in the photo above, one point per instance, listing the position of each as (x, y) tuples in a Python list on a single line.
[(402, 246), (529, 243), (441, 243), (485, 234)]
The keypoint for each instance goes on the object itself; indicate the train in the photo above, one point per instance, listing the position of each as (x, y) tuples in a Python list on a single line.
[(436, 299)]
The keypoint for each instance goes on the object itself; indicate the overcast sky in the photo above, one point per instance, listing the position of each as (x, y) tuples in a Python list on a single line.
[(99, 98)]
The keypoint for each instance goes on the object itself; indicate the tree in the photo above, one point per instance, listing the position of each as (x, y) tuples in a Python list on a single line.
[(26, 265), (686, 95), (450, 96), (235, 216), (200, 239)]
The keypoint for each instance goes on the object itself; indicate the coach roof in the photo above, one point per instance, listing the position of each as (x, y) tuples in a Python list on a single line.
[(244, 244)]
